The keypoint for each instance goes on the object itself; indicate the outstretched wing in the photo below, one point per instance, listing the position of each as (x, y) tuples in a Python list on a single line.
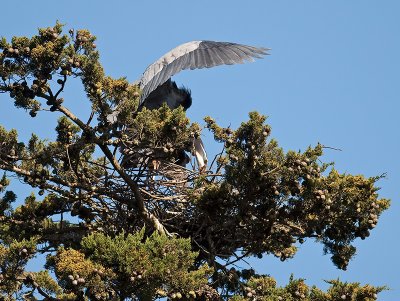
[(195, 55)]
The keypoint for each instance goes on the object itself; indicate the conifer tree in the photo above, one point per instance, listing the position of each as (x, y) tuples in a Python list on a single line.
[(114, 217)]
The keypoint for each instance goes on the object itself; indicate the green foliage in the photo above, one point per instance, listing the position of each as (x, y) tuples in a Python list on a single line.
[(66, 131), (290, 196), (130, 265), (264, 288), (13, 258), (100, 184), (163, 132), (7, 198), (44, 280)]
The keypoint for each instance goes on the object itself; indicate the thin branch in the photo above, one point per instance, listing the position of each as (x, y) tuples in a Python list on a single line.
[(31, 281), (61, 88), (238, 258), (329, 147), (90, 118), (147, 216)]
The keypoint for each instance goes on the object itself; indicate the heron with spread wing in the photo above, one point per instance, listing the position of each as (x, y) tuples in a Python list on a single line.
[(157, 87)]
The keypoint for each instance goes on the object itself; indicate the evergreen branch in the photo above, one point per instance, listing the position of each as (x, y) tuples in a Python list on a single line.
[(139, 201)]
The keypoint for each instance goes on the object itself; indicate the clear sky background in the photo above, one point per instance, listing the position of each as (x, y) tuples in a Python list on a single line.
[(332, 77)]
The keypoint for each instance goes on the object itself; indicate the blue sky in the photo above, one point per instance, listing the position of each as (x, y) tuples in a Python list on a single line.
[(332, 77)]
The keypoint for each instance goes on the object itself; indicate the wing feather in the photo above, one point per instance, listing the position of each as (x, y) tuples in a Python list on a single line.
[(195, 55), (191, 60), (217, 57), (224, 53)]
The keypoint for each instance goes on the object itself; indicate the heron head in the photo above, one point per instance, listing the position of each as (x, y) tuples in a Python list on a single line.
[(187, 98), (180, 97)]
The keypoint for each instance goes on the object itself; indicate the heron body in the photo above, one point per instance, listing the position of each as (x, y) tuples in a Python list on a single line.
[(195, 55), (169, 93), (158, 88)]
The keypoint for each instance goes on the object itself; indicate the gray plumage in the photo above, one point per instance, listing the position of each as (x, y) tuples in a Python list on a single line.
[(169, 93), (195, 55), (157, 87)]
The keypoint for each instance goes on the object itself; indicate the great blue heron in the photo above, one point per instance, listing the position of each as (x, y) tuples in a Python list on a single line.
[(157, 87)]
